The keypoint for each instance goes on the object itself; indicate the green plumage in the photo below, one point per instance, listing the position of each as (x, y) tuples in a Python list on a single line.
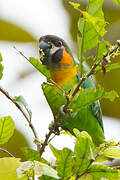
[(85, 117), (88, 118)]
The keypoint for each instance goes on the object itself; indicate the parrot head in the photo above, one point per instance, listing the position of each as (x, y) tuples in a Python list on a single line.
[(54, 52), (57, 57)]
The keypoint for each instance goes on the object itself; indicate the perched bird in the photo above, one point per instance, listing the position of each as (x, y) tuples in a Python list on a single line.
[(58, 59)]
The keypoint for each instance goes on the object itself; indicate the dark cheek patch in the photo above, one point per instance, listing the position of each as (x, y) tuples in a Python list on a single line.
[(57, 56)]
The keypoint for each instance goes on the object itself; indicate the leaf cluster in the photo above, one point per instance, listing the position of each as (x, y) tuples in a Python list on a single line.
[(82, 163)]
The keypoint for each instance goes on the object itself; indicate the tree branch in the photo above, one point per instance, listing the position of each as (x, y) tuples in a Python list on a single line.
[(79, 176), (45, 143), (5, 151), (110, 53), (40, 146), (84, 77), (24, 114)]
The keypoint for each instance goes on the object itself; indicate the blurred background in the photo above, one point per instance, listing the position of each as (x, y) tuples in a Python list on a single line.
[(21, 25)]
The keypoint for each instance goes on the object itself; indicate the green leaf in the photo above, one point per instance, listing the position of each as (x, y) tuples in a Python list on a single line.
[(44, 177), (97, 23), (8, 168), (113, 152), (84, 119), (90, 95), (1, 59), (30, 169), (91, 154), (16, 33), (6, 129), (73, 177), (91, 27), (41, 68), (88, 177), (102, 171), (117, 1), (88, 38), (22, 103), (32, 155), (64, 161), (101, 50), (112, 67), (54, 98), (82, 151), (66, 133), (106, 148), (111, 95), (1, 66), (46, 170), (75, 5)]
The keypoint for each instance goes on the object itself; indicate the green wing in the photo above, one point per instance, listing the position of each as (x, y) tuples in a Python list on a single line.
[(95, 106), (86, 119)]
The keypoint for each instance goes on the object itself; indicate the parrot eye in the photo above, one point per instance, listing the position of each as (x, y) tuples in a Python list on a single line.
[(58, 43)]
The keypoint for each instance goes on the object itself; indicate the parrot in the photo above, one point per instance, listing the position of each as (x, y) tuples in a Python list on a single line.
[(59, 61)]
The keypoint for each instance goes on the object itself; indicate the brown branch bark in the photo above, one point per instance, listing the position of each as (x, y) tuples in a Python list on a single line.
[(45, 143)]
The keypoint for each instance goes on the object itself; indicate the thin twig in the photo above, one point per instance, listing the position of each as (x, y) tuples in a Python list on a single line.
[(5, 151), (51, 138), (45, 143), (20, 53), (101, 150), (50, 80), (79, 176), (22, 111), (54, 83)]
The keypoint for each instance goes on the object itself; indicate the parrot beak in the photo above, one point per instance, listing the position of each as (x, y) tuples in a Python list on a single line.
[(44, 49), (44, 45)]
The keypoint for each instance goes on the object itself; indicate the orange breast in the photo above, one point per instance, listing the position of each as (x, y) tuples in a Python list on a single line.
[(66, 60), (63, 75)]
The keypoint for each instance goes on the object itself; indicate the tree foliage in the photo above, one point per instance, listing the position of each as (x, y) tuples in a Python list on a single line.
[(86, 161)]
